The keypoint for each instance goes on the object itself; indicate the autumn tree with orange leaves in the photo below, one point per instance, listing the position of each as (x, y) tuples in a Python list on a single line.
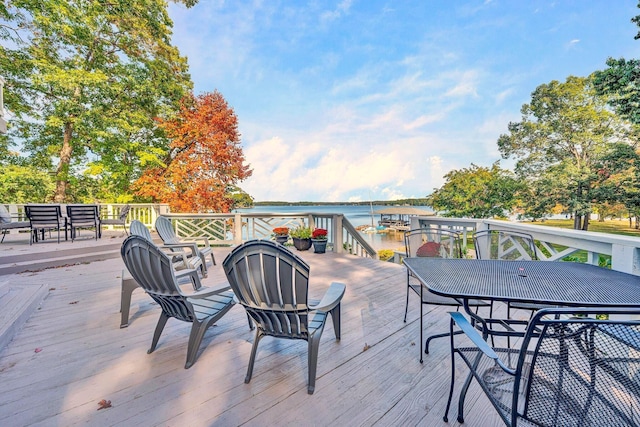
[(204, 162)]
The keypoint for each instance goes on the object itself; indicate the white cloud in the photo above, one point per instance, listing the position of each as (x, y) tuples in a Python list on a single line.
[(341, 9), (465, 85)]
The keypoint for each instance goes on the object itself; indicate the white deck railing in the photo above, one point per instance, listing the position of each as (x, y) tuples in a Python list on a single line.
[(556, 243), (235, 228)]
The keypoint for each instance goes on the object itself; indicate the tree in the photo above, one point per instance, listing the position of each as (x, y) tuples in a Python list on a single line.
[(565, 131), (24, 185), (86, 79), (476, 192), (205, 160)]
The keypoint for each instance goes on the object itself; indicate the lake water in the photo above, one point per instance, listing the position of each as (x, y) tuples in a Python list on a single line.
[(356, 214)]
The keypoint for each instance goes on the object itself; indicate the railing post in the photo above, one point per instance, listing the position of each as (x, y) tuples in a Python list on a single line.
[(623, 258), (337, 234), (237, 229)]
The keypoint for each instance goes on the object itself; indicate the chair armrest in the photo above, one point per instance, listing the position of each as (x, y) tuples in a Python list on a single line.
[(190, 245), (206, 292), (195, 278), (177, 254), (204, 240), (473, 334), (331, 298)]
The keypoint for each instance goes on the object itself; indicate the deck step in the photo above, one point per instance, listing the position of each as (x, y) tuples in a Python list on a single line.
[(17, 303), (21, 263)]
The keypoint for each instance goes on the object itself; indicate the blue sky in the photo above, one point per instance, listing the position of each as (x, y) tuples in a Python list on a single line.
[(350, 99)]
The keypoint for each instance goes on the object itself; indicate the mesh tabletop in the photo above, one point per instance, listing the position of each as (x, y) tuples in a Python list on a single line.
[(562, 283)]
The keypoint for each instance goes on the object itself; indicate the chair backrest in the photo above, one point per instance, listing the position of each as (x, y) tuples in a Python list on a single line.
[(136, 228), (124, 212), (153, 271), (44, 215), (5, 216), (83, 214), (575, 369), (433, 243), (272, 284), (165, 230), (505, 245)]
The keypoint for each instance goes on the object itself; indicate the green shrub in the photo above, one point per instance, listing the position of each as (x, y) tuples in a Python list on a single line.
[(385, 254)]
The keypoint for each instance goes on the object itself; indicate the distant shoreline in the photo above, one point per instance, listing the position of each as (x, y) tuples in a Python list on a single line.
[(402, 202)]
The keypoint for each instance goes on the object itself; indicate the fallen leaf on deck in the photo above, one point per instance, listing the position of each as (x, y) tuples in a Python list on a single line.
[(366, 347), (37, 350), (104, 404)]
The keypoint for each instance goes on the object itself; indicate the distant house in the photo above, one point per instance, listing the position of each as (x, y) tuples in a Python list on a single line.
[(398, 217)]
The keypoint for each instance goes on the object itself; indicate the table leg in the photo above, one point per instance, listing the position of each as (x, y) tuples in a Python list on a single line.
[(420, 347)]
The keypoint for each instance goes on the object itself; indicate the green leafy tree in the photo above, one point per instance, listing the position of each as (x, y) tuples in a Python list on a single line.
[(621, 81), (85, 81), (21, 184), (565, 132), (476, 192)]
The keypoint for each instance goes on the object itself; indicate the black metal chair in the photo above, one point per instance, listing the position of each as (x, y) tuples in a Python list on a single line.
[(507, 245), (571, 370), (45, 218), (83, 216), (121, 219), (272, 283), (433, 243)]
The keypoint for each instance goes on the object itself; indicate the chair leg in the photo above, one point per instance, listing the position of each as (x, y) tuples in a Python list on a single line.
[(195, 338), (128, 286), (335, 317), (213, 258), (204, 265), (453, 372), (252, 359), (156, 335), (312, 361), (406, 305)]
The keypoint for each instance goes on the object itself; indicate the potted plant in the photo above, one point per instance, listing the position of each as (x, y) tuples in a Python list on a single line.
[(281, 234), (301, 236), (319, 240)]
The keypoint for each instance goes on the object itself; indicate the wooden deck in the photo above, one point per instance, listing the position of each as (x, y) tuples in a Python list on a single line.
[(71, 354)]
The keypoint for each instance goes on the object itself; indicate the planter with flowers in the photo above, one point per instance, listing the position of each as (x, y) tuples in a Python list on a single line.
[(281, 234), (301, 237), (319, 240)]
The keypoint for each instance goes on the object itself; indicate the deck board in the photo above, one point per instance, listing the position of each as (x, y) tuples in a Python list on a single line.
[(371, 376)]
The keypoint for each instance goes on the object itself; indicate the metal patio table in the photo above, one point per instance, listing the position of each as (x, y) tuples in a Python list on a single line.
[(546, 282)]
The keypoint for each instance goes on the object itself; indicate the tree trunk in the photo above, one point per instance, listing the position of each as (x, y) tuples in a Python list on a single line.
[(62, 172), (585, 222), (577, 221)]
